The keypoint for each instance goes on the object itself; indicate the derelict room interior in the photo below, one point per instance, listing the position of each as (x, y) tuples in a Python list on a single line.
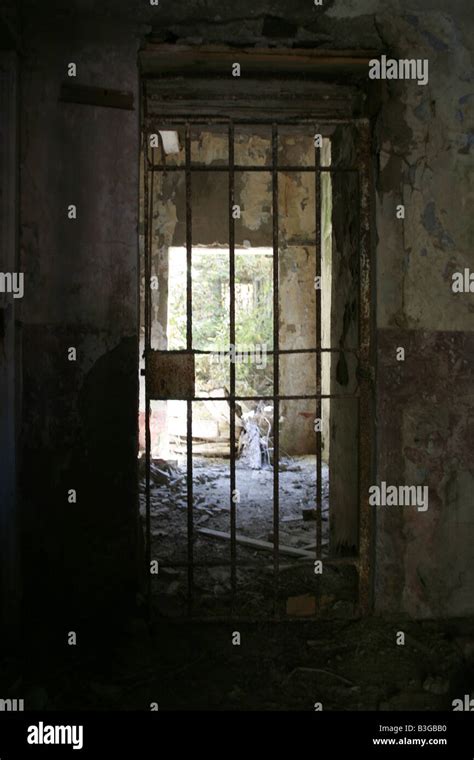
[(237, 321)]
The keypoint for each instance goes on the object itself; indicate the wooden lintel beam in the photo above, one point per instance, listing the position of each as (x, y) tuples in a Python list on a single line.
[(162, 58)]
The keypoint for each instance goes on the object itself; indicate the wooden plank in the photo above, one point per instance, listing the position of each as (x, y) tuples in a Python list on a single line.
[(205, 449), (96, 96), (170, 112), (158, 58), (254, 543), (201, 428), (181, 89), (179, 95)]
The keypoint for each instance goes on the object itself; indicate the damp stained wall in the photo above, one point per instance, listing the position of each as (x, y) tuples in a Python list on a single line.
[(425, 423), (78, 429), (81, 285)]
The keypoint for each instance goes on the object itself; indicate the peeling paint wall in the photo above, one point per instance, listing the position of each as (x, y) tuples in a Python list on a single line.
[(344, 411), (424, 414), (79, 418), (81, 286)]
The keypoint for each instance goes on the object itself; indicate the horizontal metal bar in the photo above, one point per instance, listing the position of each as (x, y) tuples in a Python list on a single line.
[(271, 352), (312, 396), (213, 563), (339, 561), (243, 168), (248, 122), (181, 120)]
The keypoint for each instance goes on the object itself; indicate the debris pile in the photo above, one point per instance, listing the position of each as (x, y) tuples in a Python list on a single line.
[(256, 441), (211, 505), (211, 429)]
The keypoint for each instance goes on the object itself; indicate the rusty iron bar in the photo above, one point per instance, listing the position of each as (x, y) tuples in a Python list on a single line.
[(297, 563), (148, 282), (251, 168), (279, 397), (147, 336), (276, 370), (233, 505), (189, 346), (363, 561), (318, 296), (189, 242), (270, 352), (161, 119)]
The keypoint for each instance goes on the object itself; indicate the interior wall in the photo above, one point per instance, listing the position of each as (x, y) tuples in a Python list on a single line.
[(80, 417), (345, 308), (9, 338), (81, 286), (425, 426)]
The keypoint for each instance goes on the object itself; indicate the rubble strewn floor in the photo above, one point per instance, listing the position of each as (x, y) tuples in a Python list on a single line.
[(345, 665), (257, 594)]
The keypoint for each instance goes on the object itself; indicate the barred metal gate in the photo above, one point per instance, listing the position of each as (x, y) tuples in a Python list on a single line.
[(159, 363)]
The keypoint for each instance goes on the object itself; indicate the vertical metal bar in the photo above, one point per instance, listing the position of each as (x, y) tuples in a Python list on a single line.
[(189, 241), (189, 347), (319, 254), (276, 373), (233, 506), (190, 515), (366, 416), (147, 345)]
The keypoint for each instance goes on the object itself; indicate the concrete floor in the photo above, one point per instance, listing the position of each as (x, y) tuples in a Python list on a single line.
[(344, 665), (257, 594)]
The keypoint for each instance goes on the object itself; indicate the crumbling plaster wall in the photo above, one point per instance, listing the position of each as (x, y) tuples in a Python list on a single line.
[(9, 371), (423, 144), (344, 420), (424, 410), (423, 138), (79, 418)]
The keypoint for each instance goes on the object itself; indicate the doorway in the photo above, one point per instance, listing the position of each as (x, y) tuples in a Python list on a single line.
[(255, 336)]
